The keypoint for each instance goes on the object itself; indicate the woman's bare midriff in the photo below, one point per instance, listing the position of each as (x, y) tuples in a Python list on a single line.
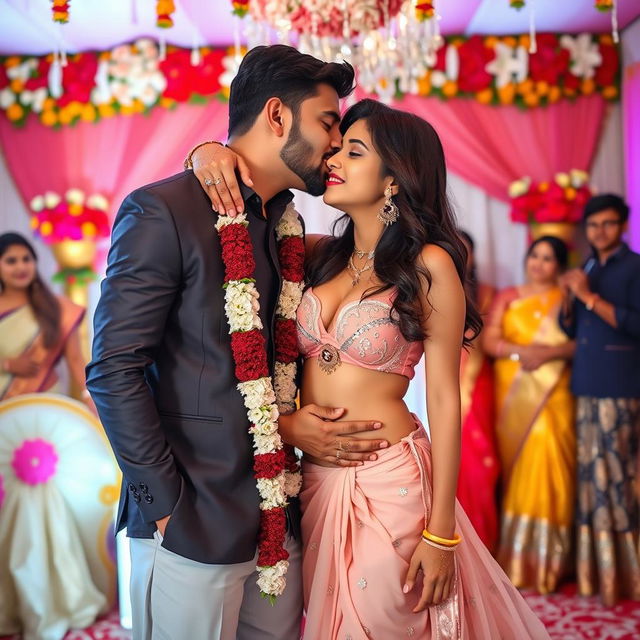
[(364, 394)]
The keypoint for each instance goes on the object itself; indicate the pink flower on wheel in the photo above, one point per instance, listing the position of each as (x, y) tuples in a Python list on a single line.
[(34, 461)]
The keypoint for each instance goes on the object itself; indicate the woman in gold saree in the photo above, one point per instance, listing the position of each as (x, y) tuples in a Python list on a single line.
[(535, 422), (37, 329)]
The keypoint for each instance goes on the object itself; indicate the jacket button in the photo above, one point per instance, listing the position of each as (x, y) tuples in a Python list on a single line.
[(136, 497), (148, 499), (143, 487), (132, 488)]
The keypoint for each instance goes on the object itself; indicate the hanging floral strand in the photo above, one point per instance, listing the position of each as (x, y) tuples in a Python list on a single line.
[(604, 5), (516, 4), (425, 11), (60, 9), (164, 11), (240, 7)]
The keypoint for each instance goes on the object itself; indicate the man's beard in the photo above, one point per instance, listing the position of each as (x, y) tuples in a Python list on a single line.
[(294, 154)]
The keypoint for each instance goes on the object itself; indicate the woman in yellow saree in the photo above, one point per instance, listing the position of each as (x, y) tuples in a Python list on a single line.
[(37, 329), (535, 422)]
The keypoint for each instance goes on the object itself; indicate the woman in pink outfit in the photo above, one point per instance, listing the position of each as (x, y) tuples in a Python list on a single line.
[(388, 552)]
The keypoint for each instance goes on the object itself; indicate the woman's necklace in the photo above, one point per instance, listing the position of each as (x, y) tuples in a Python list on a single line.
[(369, 255)]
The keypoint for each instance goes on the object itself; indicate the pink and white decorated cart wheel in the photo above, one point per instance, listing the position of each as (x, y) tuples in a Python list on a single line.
[(48, 438)]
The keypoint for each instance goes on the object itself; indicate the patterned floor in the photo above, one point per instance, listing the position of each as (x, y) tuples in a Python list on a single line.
[(566, 617)]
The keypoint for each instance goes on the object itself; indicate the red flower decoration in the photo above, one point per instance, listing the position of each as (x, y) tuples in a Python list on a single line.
[(607, 72), (237, 252), (550, 61), (286, 341), (39, 78), (78, 78), (292, 262), (269, 465), (250, 355), (273, 526), (180, 74), (474, 57)]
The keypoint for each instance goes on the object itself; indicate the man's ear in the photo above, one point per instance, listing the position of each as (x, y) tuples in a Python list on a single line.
[(276, 115)]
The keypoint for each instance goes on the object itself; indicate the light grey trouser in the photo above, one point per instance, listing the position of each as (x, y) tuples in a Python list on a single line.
[(174, 598)]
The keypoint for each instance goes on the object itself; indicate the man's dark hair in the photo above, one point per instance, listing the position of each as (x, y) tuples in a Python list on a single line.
[(282, 72), (606, 201)]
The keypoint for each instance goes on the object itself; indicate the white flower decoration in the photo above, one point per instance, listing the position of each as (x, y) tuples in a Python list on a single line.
[(585, 54), (224, 221), (519, 187), (51, 199), (263, 443), (74, 196), (7, 98), (37, 204), (289, 299), (96, 201), (578, 178), (510, 63), (272, 492), (257, 393), (241, 301), (272, 579)]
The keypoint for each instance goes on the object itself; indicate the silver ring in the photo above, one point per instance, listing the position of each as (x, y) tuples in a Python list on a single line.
[(217, 181), (208, 182), (338, 454)]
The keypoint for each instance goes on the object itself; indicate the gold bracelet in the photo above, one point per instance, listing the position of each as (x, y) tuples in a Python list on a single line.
[(447, 542), (188, 164), (438, 546)]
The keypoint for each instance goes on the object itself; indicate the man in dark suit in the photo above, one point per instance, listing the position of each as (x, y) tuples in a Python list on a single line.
[(162, 375)]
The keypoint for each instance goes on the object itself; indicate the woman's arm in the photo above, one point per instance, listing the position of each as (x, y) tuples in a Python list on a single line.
[(76, 365), (444, 307), (493, 342)]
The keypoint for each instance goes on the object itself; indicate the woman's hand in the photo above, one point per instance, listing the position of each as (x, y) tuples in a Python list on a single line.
[(215, 167), (22, 367), (533, 356), (438, 572)]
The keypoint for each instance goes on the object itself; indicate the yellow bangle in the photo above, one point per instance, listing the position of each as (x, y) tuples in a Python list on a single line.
[(447, 542)]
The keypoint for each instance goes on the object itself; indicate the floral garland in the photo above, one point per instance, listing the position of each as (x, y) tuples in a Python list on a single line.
[(132, 79), (164, 13), (276, 466), (561, 200), (60, 11)]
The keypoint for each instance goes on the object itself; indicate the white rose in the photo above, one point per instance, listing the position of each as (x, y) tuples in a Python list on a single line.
[(26, 97), (562, 179), (578, 178), (37, 204), (263, 443), (223, 221), (289, 300), (96, 201), (263, 416), (7, 98), (74, 196), (519, 187), (257, 392), (271, 491), (271, 580), (51, 199), (292, 484)]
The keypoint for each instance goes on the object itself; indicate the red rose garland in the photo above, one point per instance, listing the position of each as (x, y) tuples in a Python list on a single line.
[(276, 466)]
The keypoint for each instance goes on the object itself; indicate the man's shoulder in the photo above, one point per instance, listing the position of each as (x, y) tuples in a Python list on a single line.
[(179, 182)]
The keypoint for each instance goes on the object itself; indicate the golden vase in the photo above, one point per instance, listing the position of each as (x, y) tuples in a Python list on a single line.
[(74, 254), (566, 231)]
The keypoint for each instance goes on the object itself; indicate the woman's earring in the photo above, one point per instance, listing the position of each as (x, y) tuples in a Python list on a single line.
[(389, 212)]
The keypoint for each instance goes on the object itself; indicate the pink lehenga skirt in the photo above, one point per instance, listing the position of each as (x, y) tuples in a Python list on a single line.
[(360, 526)]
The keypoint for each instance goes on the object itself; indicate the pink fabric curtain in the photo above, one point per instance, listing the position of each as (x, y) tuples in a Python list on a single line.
[(631, 109), (492, 146), (111, 157)]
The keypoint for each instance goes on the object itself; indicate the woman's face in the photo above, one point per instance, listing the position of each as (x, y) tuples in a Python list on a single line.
[(355, 178), (17, 268), (541, 264)]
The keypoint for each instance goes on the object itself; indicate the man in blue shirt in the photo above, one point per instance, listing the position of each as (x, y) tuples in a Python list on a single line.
[(602, 313)]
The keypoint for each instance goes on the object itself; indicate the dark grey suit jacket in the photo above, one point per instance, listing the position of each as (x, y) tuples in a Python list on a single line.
[(162, 378)]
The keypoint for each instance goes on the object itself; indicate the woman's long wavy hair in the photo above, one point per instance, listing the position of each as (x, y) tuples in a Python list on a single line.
[(45, 305), (411, 152)]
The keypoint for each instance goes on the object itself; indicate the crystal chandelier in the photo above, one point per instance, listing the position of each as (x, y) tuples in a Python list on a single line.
[(391, 43)]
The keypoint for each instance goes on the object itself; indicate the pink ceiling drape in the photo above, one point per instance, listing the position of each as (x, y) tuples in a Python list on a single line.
[(111, 157), (492, 146)]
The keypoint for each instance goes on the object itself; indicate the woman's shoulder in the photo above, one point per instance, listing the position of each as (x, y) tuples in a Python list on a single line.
[(436, 259)]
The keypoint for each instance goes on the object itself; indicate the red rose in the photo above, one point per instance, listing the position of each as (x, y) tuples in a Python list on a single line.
[(474, 57), (237, 252), (291, 254), (608, 70), (206, 75), (269, 465), (571, 81), (249, 355), (180, 74), (273, 527), (550, 61), (286, 341), (78, 78)]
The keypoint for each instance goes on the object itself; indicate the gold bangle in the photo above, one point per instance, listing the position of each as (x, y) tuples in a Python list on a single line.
[(438, 546), (188, 164), (447, 542)]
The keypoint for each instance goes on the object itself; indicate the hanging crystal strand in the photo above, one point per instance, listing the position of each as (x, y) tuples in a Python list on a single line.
[(134, 12), (533, 43), (62, 48), (162, 48), (345, 49), (237, 48), (614, 22), (195, 49), (54, 78)]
